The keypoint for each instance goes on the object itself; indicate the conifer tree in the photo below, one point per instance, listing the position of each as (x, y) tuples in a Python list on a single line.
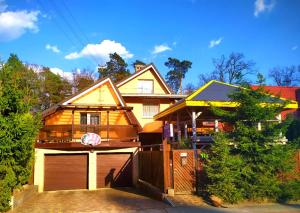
[(263, 153)]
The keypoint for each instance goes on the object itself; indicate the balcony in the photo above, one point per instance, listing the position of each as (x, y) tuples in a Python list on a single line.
[(73, 133)]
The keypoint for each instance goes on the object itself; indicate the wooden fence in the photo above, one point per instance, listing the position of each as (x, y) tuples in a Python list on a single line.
[(151, 168), (168, 169)]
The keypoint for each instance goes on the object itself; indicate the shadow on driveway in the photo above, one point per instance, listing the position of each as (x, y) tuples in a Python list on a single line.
[(102, 200)]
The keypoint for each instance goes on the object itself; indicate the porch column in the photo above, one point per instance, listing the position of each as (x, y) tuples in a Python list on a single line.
[(178, 128), (194, 127), (185, 131), (107, 125), (72, 134), (216, 125)]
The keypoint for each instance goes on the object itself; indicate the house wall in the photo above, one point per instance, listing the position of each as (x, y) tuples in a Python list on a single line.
[(103, 95), (65, 117), (132, 85), (137, 104), (92, 166)]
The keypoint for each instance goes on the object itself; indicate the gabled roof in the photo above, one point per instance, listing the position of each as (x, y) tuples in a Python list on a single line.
[(81, 93), (94, 86), (214, 93), (136, 74)]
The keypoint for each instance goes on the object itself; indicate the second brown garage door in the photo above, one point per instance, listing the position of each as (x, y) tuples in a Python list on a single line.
[(114, 170), (66, 171)]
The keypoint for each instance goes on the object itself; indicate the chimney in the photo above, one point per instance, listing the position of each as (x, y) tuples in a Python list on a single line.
[(139, 67)]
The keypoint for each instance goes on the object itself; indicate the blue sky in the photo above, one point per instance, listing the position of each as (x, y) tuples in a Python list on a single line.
[(71, 34)]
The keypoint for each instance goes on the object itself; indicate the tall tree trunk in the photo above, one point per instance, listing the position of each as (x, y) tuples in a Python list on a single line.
[(180, 88)]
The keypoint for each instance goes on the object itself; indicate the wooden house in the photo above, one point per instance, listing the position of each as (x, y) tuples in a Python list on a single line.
[(121, 114)]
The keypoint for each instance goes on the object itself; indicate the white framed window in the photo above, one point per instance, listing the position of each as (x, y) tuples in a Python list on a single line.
[(145, 86), (89, 118), (149, 110)]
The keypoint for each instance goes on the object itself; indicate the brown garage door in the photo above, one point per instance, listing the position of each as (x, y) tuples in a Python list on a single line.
[(68, 171), (114, 170)]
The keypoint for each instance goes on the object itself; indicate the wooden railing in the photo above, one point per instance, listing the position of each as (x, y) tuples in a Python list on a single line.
[(69, 133)]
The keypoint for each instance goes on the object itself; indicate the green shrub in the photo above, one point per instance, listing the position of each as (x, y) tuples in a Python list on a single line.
[(293, 132), (289, 191), (223, 171), (18, 129), (7, 182)]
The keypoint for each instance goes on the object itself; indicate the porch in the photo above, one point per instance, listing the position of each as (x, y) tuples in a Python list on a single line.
[(67, 124)]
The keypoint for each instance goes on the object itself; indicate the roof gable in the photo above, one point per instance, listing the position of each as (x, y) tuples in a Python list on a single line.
[(103, 92), (213, 91), (155, 74)]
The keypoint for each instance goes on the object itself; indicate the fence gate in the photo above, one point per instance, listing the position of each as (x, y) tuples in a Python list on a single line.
[(183, 171)]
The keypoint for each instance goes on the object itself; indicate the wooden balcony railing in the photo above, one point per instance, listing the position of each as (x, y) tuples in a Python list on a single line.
[(69, 133)]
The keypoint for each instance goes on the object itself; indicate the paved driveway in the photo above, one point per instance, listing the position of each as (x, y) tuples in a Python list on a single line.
[(104, 200), (130, 200)]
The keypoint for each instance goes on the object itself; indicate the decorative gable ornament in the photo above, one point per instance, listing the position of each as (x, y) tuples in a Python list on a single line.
[(91, 139)]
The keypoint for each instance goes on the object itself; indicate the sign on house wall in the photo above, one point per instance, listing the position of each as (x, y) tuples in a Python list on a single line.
[(90, 139)]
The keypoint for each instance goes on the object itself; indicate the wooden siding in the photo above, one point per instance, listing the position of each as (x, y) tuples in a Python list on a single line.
[(65, 117), (104, 94), (184, 175)]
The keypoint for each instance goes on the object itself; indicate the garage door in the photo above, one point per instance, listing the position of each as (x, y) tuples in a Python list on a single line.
[(114, 170), (66, 172)]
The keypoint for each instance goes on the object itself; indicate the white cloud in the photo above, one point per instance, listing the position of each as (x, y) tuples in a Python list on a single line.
[(214, 43), (160, 48), (101, 51), (295, 47), (261, 6), (66, 75), (14, 24), (53, 48)]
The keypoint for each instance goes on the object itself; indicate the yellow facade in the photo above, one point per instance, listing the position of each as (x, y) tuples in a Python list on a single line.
[(131, 87), (102, 95), (137, 104)]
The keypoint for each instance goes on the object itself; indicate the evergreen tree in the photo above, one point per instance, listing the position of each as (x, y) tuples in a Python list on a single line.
[(116, 68), (262, 153), (177, 73), (18, 129)]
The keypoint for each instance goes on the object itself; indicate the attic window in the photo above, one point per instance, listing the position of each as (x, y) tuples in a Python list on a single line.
[(145, 86)]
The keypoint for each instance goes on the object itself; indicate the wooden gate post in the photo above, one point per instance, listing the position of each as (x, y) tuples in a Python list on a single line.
[(166, 160)]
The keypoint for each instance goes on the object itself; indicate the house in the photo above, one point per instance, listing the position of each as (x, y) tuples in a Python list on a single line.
[(122, 114), (193, 117), (62, 162), (287, 92), (148, 94)]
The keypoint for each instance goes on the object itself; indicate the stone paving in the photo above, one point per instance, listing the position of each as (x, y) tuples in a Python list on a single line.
[(104, 200), (132, 201)]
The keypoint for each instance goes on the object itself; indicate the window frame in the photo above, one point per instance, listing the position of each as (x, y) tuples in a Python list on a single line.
[(150, 104), (141, 90)]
